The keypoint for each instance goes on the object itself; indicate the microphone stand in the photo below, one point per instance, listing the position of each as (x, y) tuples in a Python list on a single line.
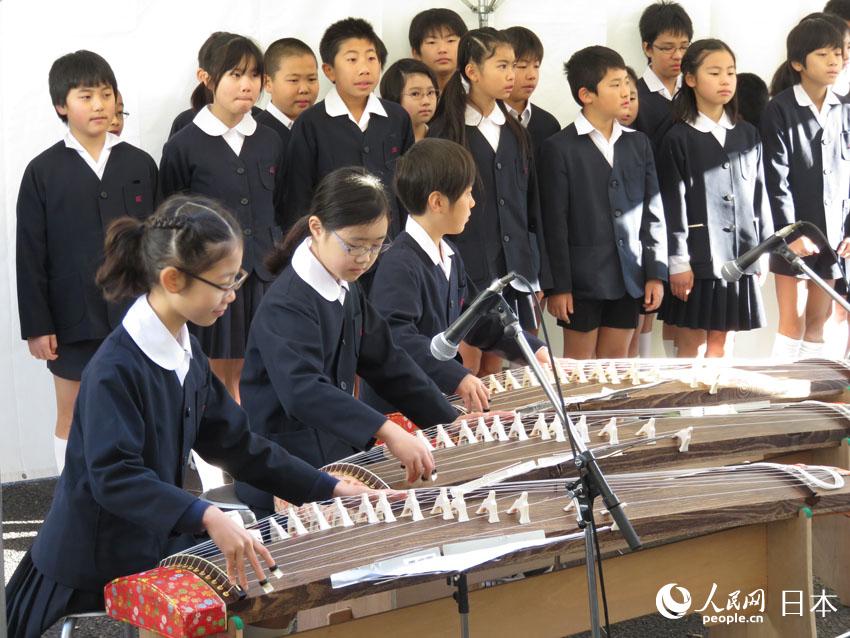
[(801, 267), (591, 482)]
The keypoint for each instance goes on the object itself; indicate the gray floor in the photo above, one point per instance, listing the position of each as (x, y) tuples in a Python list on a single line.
[(25, 505)]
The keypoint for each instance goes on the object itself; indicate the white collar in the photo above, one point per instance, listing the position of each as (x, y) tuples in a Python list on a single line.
[(439, 255), (473, 116), (211, 125), (524, 117), (279, 115), (72, 142), (335, 107), (310, 269), (803, 98), (584, 127), (705, 124), (154, 339), (655, 85)]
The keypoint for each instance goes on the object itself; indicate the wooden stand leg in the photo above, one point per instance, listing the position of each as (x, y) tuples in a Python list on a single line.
[(789, 568)]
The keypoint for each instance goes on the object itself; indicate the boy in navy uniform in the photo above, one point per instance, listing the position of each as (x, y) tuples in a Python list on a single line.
[(665, 33), (421, 286), (539, 123), (602, 214), (69, 194), (351, 126), (292, 82)]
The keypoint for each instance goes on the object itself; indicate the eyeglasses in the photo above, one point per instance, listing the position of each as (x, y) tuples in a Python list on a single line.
[(236, 285), (360, 251), (670, 49), (122, 114), (418, 95)]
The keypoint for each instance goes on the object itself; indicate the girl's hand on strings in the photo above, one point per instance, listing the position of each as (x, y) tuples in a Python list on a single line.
[(474, 393), (349, 487), (237, 545), (542, 356), (415, 457), (472, 417)]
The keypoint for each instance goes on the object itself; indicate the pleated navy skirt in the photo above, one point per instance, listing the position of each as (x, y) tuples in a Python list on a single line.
[(227, 337), (34, 602), (715, 304)]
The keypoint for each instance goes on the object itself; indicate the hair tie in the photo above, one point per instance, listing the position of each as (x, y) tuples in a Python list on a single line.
[(174, 222)]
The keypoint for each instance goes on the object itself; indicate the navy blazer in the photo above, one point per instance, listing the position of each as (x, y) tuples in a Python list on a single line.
[(504, 232), (302, 358), (264, 117), (321, 143), (604, 226), (119, 506), (541, 127), (249, 184), (654, 116), (63, 213), (715, 201), (418, 302), (807, 170)]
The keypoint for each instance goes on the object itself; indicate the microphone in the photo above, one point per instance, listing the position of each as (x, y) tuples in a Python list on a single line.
[(734, 269), (445, 344)]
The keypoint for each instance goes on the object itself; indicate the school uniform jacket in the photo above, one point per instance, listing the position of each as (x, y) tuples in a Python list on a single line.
[(418, 302), (321, 143), (807, 167), (715, 201), (264, 117), (541, 126), (604, 226), (247, 184), (654, 116), (504, 231), (119, 506), (298, 380), (63, 213)]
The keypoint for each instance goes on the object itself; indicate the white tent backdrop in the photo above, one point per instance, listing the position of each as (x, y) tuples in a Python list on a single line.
[(152, 46)]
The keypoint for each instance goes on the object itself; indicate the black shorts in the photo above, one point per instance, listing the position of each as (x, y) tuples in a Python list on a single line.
[(590, 314), (72, 358)]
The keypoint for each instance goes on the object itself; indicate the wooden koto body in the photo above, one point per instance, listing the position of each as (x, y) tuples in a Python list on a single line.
[(664, 507)]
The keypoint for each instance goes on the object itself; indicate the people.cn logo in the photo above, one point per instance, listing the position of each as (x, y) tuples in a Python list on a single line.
[(668, 606)]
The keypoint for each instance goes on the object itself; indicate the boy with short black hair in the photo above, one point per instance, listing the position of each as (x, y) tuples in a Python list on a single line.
[(421, 285), (434, 35), (352, 126), (69, 195), (528, 50), (666, 32), (291, 78), (602, 214)]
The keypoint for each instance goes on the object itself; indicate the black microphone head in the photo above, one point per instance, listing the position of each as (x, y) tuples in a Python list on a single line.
[(442, 349), (731, 272)]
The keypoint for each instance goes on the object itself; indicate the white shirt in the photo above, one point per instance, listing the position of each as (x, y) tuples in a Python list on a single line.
[(524, 117), (279, 115), (334, 106), (97, 166), (489, 125), (211, 125), (803, 99), (705, 124), (606, 147), (654, 83), (155, 340), (307, 266), (441, 256)]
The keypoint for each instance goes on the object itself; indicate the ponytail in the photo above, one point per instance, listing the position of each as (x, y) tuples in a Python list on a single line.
[(784, 78), (122, 274), (200, 97), (279, 258)]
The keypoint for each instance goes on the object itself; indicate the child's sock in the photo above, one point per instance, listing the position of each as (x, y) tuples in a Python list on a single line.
[(785, 347), (811, 349), (645, 345), (59, 447), (669, 348)]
